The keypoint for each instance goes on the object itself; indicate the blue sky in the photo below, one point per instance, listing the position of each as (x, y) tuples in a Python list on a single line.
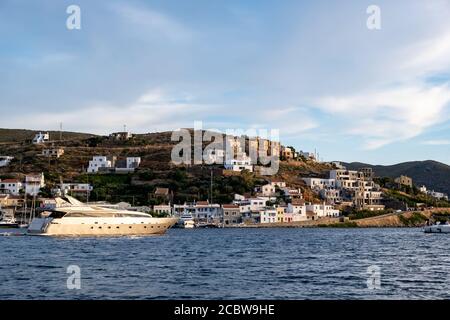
[(311, 69)]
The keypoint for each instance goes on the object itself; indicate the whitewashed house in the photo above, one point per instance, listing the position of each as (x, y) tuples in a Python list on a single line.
[(319, 183), (243, 163), (54, 152), (34, 183), (72, 188), (133, 162), (5, 160), (10, 186), (98, 162), (268, 215), (162, 209), (266, 190), (40, 138), (323, 210)]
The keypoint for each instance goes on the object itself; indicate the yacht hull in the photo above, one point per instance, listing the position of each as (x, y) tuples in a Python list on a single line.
[(437, 229), (100, 227)]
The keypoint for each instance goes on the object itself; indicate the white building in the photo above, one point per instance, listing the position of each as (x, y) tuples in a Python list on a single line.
[(162, 209), (243, 163), (322, 210), (266, 190), (5, 160), (423, 189), (71, 188), (438, 195), (41, 138), (319, 183), (34, 183), (297, 207), (308, 155), (98, 162), (133, 162), (268, 215), (257, 204), (214, 156), (55, 152), (10, 186)]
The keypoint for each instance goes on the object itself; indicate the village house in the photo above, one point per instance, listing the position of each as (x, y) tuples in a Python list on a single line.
[(320, 183), (307, 155), (40, 138), (281, 211), (53, 153), (266, 190), (322, 210), (98, 162), (287, 153), (231, 214), (34, 183), (162, 209), (244, 163), (161, 194), (404, 181), (292, 194), (278, 183), (201, 211), (5, 160), (268, 215), (121, 136), (10, 186), (73, 189), (331, 195)]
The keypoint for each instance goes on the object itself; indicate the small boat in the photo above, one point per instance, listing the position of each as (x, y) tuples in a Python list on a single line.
[(186, 221), (437, 228), (10, 223)]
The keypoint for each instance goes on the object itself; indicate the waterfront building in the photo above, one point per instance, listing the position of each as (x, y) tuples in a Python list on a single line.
[(268, 215), (281, 211), (322, 210), (162, 209), (231, 214)]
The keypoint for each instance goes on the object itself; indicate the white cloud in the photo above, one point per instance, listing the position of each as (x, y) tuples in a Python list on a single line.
[(436, 142), (155, 110), (389, 115)]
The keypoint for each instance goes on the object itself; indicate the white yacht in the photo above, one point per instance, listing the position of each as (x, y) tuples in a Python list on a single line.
[(437, 228), (186, 221), (74, 218)]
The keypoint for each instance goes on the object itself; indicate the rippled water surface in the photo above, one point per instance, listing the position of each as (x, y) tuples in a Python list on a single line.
[(230, 264)]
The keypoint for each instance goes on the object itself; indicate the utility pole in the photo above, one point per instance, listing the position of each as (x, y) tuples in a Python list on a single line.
[(60, 131)]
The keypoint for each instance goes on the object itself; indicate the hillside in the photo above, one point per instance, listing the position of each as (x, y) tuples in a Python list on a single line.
[(156, 170), (432, 174), (21, 135)]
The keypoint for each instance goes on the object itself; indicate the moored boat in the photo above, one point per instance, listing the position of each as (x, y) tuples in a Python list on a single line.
[(437, 228), (74, 218)]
